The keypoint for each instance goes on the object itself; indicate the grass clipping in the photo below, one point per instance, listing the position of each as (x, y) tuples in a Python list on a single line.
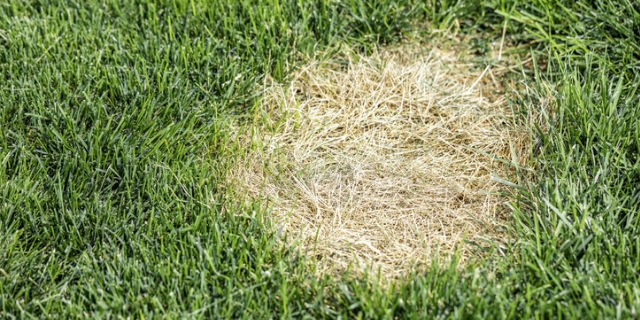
[(382, 161)]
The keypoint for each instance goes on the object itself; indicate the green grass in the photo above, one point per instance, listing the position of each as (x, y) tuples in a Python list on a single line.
[(114, 135)]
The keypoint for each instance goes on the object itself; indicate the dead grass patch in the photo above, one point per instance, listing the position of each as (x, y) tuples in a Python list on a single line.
[(383, 160)]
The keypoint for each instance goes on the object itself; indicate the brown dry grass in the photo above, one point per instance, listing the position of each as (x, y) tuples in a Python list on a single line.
[(382, 161)]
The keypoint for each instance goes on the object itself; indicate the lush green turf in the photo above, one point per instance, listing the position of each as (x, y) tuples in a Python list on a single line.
[(114, 126)]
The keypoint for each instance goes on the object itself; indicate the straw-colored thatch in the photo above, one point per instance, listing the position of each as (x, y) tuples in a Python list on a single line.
[(383, 160)]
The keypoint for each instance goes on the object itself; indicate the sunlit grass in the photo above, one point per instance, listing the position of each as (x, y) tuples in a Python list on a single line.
[(114, 139)]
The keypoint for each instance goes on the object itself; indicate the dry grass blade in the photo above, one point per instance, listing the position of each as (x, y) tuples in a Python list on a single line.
[(383, 162)]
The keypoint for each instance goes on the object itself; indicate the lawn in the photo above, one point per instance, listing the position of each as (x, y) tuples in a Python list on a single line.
[(119, 125)]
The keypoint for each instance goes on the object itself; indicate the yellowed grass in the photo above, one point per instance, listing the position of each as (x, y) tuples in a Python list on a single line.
[(382, 161)]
